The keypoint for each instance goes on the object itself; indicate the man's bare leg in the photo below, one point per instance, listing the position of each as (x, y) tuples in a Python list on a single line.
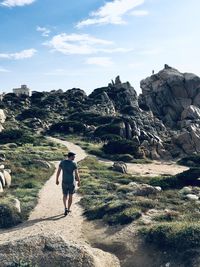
[(70, 202), (65, 201)]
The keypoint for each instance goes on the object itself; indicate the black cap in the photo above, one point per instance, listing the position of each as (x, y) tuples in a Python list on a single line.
[(70, 154)]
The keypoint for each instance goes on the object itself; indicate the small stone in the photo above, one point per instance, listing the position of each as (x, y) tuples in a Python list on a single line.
[(185, 190), (192, 197)]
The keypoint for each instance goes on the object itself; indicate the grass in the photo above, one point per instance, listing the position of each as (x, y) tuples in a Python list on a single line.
[(27, 177), (106, 196), (177, 235)]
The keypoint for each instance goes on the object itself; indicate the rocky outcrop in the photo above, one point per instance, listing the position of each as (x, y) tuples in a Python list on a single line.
[(5, 177), (51, 251), (163, 122), (174, 98), (168, 93), (2, 119)]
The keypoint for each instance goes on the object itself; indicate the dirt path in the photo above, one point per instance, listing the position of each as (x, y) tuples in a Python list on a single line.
[(48, 217), (155, 168)]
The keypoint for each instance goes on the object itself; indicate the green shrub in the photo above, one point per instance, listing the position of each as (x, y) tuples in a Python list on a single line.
[(111, 137), (178, 236), (191, 161), (114, 129), (16, 136), (189, 177), (126, 216), (34, 112), (9, 216), (121, 147), (67, 127)]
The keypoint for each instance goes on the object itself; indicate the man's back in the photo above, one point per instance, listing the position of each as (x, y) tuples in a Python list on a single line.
[(68, 167)]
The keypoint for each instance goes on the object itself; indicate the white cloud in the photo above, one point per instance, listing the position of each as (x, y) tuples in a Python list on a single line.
[(45, 32), (100, 61), (153, 51), (111, 13), (3, 70), (19, 55), (81, 44), (140, 13), (13, 3)]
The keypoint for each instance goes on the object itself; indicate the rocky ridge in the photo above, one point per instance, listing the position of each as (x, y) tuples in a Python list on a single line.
[(162, 122)]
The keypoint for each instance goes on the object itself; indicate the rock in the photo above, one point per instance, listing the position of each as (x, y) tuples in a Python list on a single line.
[(2, 157), (192, 197), (2, 116), (120, 166), (185, 190), (158, 188), (2, 179), (42, 163), (190, 113), (16, 203), (7, 177), (144, 189), (51, 251), (1, 188)]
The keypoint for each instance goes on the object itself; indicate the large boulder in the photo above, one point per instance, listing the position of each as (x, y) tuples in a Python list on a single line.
[(7, 178), (2, 119), (169, 92), (120, 166), (51, 251), (190, 113)]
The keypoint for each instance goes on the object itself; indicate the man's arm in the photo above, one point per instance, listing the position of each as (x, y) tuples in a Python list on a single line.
[(57, 175), (77, 176)]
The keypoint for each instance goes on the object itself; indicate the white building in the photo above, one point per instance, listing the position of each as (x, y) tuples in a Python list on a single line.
[(24, 90)]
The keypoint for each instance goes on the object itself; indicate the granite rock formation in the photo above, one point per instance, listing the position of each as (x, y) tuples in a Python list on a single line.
[(163, 122), (51, 251)]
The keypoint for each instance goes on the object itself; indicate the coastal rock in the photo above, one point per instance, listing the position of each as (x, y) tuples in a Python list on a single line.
[(51, 251)]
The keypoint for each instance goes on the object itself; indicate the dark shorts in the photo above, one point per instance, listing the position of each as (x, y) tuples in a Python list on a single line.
[(68, 189)]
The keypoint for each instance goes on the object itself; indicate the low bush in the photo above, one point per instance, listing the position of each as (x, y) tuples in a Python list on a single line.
[(124, 217), (189, 177), (34, 112), (190, 161), (174, 235), (67, 127), (121, 147), (9, 216), (16, 136)]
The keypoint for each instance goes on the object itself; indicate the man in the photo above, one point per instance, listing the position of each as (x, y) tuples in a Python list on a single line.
[(68, 168)]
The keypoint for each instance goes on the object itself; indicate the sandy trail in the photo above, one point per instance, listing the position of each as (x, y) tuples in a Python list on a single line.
[(47, 217)]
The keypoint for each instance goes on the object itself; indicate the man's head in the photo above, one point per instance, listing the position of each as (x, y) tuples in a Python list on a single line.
[(71, 155)]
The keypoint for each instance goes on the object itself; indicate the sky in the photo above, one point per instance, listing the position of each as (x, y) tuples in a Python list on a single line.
[(53, 44)]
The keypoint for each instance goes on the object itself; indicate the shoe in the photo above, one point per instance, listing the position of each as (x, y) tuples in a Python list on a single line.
[(66, 212)]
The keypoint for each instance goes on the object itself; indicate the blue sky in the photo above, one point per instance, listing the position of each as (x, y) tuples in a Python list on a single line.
[(49, 44)]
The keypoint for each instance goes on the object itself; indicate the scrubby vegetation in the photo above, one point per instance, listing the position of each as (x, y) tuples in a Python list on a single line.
[(177, 235), (27, 176), (108, 195), (190, 161)]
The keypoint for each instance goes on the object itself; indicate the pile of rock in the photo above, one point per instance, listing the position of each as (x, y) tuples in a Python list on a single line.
[(190, 193), (5, 177), (143, 189)]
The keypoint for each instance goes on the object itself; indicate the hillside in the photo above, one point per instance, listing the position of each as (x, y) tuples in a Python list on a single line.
[(161, 123)]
